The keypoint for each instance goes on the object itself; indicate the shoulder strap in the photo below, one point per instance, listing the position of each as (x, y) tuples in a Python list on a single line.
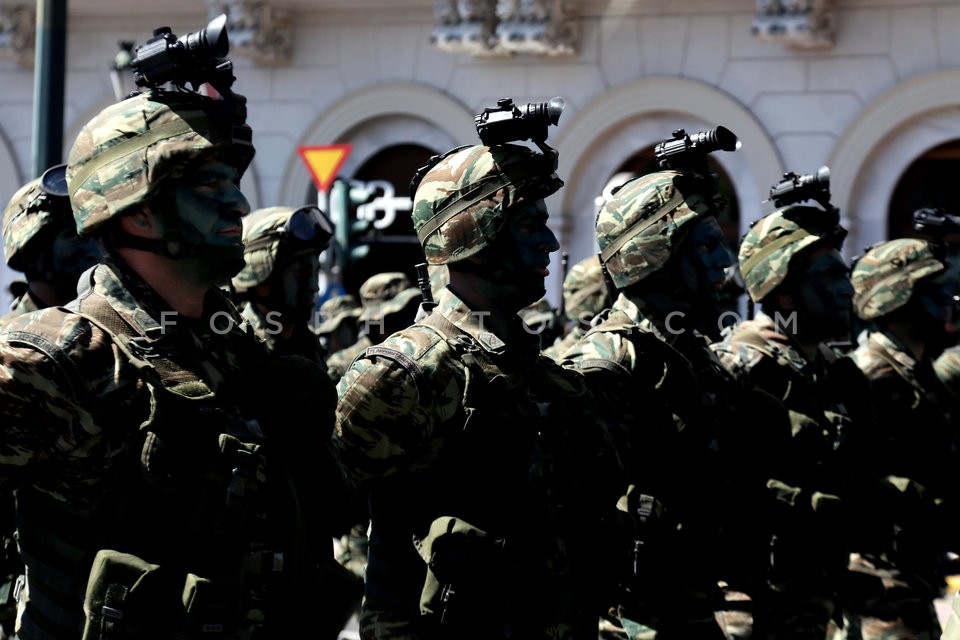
[(139, 349)]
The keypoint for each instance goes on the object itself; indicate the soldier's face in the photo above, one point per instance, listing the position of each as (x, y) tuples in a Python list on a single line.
[(824, 294), (72, 255), (704, 258), (299, 285), (527, 245), (934, 298), (210, 205)]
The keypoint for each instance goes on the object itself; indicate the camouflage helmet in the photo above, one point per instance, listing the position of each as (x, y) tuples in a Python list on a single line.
[(386, 293), (641, 226), (459, 202), (584, 291), (947, 368), (297, 229), (772, 243), (129, 149), (336, 310), (40, 204), (884, 278)]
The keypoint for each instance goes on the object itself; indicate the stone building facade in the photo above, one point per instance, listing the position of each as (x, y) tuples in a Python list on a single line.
[(870, 88)]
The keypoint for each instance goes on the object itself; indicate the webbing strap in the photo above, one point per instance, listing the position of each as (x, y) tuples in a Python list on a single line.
[(99, 312), (443, 215), (640, 225), (776, 245), (136, 143)]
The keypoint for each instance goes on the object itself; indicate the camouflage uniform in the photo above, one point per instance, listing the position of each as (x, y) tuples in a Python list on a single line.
[(828, 403), (39, 239), (467, 446), (585, 295), (33, 221), (137, 439), (917, 450), (338, 326), (384, 298), (684, 422), (268, 247)]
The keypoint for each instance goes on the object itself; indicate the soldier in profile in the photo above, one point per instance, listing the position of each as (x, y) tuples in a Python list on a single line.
[(40, 240), (488, 470)]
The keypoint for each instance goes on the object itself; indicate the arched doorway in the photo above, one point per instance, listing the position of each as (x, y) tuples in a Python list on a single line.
[(382, 236)]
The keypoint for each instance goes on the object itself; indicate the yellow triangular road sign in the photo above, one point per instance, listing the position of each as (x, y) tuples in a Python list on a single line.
[(324, 161)]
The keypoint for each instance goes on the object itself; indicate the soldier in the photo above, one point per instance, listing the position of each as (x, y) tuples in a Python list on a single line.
[(279, 282), (585, 296), (483, 453), (164, 487), (683, 421), (791, 265), (40, 240), (389, 302), (278, 288), (904, 295), (339, 328)]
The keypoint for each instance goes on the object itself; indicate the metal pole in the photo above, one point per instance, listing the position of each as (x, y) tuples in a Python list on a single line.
[(48, 84)]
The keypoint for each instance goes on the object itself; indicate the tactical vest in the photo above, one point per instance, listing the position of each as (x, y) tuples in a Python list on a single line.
[(172, 538), (507, 470)]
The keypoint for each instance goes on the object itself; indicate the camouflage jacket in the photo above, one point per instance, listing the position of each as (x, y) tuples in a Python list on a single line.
[(339, 361), (82, 405), (303, 341), (694, 437), (444, 419), (23, 304), (828, 400), (911, 407)]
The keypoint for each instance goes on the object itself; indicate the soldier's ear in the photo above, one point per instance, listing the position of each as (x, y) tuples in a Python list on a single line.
[(141, 222)]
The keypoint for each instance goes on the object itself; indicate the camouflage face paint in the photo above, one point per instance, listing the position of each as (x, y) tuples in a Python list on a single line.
[(298, 284), (824, 295), (210, 205), (704, 257), (527, 243)]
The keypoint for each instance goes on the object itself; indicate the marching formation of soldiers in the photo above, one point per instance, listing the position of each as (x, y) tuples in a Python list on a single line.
[(185, 453)]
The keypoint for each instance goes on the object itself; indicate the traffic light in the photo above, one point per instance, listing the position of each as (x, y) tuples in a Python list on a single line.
[(345, 197)]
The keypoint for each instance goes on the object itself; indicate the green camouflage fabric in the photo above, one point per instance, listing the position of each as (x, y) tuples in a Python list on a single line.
[(336, 310), (584, 291), (917, 458), (884, 278), (643, 224), (537, 314), (339, 361), (561, 346), (774, 241), (400, 433), (385, 293), (21, 305), (76, 411), (303, 341), (459, 204), (702, 452), (947, 368), (260, 254), (829, 405), (159, 132), (29, 211)]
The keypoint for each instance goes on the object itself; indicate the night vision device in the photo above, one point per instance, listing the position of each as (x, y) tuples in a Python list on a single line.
[(935, 222), (794, 188), (193, 58), (508, 122), (684, 151)]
